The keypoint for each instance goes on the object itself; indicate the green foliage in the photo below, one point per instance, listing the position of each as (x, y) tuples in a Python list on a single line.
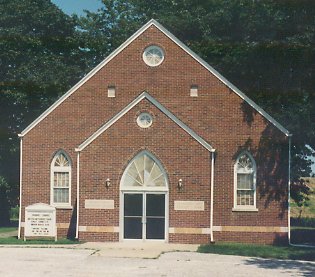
[(4, 202), (39, 56), (104, 31), (266, 48), (14, 213), (263, 251), (7, 229)]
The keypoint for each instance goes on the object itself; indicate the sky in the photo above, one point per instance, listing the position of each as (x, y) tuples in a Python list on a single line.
[(77, 6)]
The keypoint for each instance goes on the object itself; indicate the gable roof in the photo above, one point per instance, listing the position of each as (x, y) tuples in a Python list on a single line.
[(157, 104), (153, 22)]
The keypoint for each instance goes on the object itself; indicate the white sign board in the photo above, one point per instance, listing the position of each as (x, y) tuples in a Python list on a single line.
[(189, 205), (40, 221)]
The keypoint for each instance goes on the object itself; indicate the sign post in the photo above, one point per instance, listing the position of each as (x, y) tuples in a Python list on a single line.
[(40, 221)]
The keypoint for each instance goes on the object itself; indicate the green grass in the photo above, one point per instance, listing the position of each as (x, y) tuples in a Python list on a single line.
[(14, 240), (301, 228), (263, 251), (7, 229)]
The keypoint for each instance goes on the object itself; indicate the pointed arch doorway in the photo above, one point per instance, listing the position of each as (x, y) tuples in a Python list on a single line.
[(144, 200)]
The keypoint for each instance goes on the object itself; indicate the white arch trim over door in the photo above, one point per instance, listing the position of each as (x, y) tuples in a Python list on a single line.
[(144, 175)]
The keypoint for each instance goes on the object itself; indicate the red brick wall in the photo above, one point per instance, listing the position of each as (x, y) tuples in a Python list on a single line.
[(218, 115), (181, 156)]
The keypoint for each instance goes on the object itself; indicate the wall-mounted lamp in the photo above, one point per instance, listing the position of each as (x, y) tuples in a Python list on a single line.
[(107, 183), (180, 184)]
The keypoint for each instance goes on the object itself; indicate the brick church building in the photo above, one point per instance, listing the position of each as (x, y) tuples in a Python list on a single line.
[(155, 144)]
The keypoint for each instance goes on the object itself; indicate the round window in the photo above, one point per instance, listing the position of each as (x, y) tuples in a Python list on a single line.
[(144, 120), (153, 55)]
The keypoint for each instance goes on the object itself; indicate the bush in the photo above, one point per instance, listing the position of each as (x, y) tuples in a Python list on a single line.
[(4, 202)]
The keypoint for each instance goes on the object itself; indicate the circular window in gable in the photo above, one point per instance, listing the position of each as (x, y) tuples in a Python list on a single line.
[(153, 55), (144, 120)]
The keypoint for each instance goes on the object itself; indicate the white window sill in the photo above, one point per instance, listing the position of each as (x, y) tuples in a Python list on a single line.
[(59, 207), (244, 209)]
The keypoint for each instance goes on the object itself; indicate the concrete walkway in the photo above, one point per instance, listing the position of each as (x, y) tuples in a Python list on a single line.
[(53, 262), (149, 250)]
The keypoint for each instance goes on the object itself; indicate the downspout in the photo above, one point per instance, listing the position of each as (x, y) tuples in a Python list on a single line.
[(289, 191), (211, 195), (20, 208), (78, 196)]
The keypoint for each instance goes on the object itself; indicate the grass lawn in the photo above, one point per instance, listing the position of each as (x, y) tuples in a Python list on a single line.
[(7, 229), (263, 251), (14, 240)]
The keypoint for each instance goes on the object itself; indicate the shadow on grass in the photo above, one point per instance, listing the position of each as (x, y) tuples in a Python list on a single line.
[(286, 266), (261, 251)]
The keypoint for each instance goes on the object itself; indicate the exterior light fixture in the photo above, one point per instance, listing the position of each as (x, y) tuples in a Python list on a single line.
[(107, 183), (180, 184)]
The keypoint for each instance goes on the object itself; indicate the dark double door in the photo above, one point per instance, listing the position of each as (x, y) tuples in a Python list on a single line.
[(144, 216)]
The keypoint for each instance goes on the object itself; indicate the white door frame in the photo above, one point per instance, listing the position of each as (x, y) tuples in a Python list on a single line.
[(144, 193)]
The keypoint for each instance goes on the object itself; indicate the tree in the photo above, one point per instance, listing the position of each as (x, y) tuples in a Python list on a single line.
[(102, 32), (39, 56), (266, 48)]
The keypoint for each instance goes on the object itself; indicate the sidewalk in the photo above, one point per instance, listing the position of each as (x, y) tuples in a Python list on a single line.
[(130, 249)]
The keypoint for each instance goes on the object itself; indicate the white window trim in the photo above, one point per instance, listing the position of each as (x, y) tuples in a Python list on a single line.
[(245, 208), (148, 49), (143, 190), (54, 169)]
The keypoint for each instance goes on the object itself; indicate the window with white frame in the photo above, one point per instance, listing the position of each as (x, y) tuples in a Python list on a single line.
[(60, 180), (144, 172), (245, 181)]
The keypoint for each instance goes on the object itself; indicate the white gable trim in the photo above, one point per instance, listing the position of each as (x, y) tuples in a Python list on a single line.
[(222, 79), (86, 78), (180, 44), (157, 104)]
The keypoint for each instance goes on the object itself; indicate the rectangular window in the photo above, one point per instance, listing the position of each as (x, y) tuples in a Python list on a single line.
[(194, 91), (111, 91), (245, 189), (61, 187)]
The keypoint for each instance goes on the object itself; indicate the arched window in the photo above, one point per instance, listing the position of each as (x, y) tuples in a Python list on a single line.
[(245, 182), (144, 172), (61, 180)]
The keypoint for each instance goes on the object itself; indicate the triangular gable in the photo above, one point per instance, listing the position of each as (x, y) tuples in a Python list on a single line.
[(181, 45), (157, 104)]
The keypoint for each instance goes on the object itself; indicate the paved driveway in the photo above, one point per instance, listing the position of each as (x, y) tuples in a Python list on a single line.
[(32, 262)]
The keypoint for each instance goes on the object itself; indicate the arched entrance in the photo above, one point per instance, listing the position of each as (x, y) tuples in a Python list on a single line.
[(144, 199)]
